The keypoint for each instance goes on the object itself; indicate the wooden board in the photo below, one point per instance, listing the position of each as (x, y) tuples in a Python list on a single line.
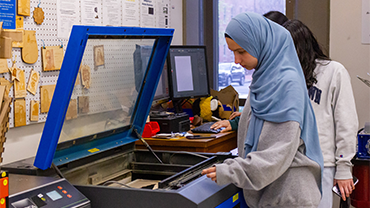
[(47, 92), (85, 76), (4, 66), (30, 52), (19, 112), (24, 7), (19, 23), (52, 58), (98, 55), (20, 86), (83, 104), (72, 109), (2, 93), (33, 82), (34, 110), (16, 36), (5, 48)]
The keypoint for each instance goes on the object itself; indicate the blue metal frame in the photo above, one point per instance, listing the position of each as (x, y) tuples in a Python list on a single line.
[(66, 81)]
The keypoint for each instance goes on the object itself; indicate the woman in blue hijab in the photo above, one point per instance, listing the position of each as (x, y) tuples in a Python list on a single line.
[(280, 159)]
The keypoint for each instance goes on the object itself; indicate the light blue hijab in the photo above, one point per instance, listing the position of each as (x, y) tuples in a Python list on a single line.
[(278, 91)]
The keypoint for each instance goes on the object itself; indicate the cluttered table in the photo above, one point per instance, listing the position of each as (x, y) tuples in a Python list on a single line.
[(221, 142)]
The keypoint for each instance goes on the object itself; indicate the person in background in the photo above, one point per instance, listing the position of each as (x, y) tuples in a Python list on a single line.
[(329, 88), (280, 160), (276, 16)]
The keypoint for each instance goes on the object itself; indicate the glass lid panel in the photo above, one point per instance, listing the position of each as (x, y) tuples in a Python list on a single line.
[(107, 86)]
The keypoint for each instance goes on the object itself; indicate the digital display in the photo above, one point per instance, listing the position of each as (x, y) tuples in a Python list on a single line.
[(54, 195)]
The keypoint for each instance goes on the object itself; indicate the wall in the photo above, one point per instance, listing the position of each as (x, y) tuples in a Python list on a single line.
[(346, 47), (22, 142), (315, 14)]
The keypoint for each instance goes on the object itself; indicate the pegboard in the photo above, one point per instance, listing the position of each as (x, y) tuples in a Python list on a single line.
[(115, 79), (47, 35)]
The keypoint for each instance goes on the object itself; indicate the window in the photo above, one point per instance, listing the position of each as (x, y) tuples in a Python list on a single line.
[(230, 73)]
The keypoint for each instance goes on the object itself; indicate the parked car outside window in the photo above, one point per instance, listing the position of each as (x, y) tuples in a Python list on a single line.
[(230, 72)]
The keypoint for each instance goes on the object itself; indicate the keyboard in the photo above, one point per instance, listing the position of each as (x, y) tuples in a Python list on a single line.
[(206, 128)]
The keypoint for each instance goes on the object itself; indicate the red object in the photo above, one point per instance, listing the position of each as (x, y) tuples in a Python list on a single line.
[(4, 189), (191, 119), (150, 129), (360, 197)]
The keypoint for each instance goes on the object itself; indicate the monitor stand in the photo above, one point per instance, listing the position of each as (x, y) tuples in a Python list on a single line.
[(177, 105)]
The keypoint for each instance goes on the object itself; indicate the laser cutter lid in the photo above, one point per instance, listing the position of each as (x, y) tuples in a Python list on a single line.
[(107, 82)]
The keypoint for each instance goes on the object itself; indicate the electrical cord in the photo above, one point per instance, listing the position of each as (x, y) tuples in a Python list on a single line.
[(60, 174)]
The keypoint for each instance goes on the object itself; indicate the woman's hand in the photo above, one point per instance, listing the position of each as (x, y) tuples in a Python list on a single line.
[(234, 114), (345, 186), (211, 173), (220, 124)]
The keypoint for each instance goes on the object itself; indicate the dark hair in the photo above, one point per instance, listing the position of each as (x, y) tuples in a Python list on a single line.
[(227, 36), (276, 16), (307, 47)]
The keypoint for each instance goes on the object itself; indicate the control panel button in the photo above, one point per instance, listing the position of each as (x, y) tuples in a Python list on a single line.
[(59, 187), (38, 201), (69, 195), (64, 192)]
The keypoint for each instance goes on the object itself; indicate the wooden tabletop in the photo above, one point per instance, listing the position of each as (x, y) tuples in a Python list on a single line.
[(223, 142)]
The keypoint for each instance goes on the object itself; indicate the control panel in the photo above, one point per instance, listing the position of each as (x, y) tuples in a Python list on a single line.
[(58, 193)]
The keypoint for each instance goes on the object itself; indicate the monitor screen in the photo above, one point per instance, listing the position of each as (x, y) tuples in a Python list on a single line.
[(141, 59), (162, 93), (188, 72)]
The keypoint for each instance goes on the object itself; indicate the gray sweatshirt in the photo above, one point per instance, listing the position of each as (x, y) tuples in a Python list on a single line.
[(335, 110), (278, 174)]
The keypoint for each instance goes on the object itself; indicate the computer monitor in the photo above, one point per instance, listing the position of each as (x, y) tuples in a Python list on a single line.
[(141, 59), (162, 93), (188, 74)]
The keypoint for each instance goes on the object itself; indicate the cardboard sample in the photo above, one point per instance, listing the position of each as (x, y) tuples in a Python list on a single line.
[(5, 48), (34, 110), (16, 36), (30, 51), (52, 58), (72, 109), (20, 85), (47, 92), (4, 66), (229, 97), (33, 82), (19, 112)]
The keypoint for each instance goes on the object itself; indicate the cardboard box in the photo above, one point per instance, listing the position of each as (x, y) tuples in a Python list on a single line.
[(229, 97)]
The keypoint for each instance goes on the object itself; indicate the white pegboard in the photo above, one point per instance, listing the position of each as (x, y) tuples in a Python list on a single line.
[(46, 35), (113, 80)]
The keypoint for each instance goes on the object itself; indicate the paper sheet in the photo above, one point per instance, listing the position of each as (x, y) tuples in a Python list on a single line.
[(147, 13), (130, 13), (91, 12), (68, 15), (163, 13), (112, 12)]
